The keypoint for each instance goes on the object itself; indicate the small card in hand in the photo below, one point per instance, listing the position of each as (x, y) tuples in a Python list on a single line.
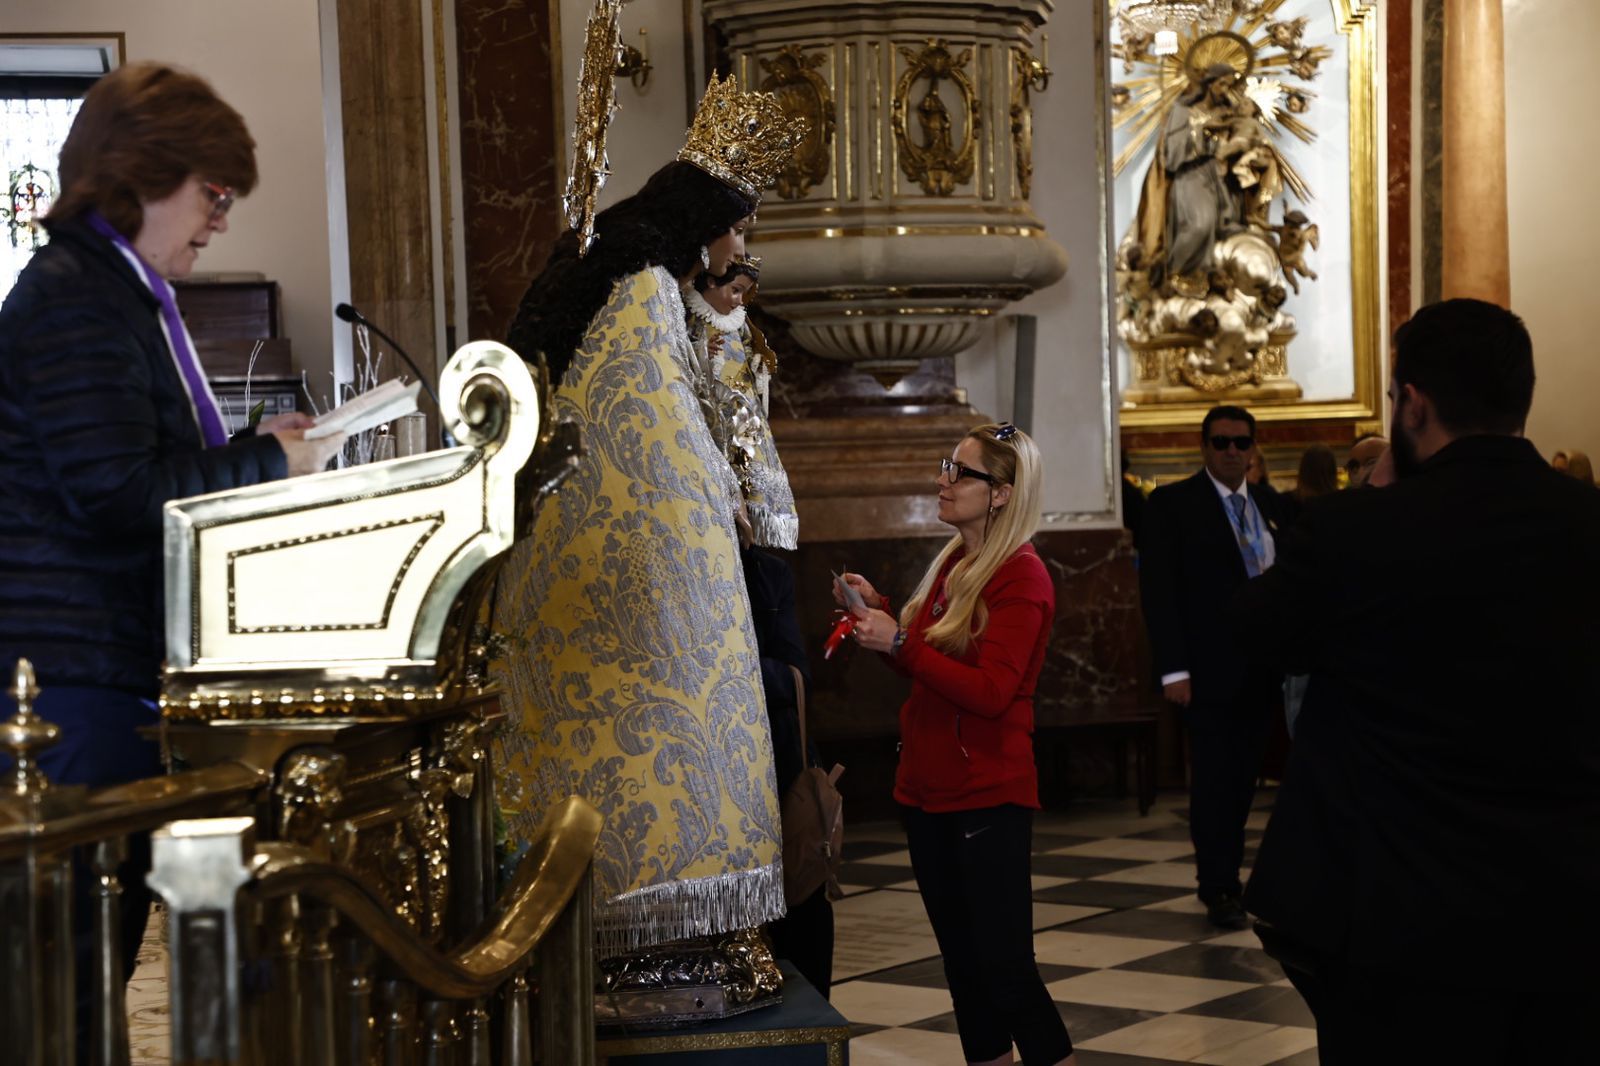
[(852, 598)]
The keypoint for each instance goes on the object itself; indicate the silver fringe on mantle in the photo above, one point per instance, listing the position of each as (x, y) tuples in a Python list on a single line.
[(773, 530), (682, 910)]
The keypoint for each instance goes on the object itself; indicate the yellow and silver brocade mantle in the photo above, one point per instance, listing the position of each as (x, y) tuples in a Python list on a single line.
[(630, 657), (737, 367)]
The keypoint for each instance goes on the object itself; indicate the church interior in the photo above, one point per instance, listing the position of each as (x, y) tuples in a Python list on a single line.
[(396, 821)]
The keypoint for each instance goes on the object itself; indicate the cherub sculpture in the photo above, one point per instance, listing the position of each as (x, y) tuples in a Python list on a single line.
[(1293, 236)]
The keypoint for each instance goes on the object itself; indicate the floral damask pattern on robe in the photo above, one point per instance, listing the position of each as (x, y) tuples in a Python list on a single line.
[(631, 663)]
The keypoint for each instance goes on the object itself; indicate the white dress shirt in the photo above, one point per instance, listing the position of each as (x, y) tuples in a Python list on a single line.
[(1252, 514)]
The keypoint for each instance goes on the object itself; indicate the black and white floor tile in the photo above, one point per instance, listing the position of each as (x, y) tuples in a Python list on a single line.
[(1138, 974)]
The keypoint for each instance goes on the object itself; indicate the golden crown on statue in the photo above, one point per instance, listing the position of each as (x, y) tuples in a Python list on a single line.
[(745, 139)]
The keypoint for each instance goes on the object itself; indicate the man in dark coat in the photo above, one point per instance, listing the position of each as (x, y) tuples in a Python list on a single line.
[(1204, 537), (1430, 872)]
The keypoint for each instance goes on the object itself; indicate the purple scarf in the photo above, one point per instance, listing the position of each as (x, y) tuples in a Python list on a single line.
[(212, 428)]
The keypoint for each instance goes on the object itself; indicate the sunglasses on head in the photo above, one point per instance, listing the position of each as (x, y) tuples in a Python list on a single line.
[(1220, 443), (956, 471)]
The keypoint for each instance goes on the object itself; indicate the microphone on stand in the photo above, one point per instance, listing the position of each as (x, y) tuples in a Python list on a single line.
[(347, 313)]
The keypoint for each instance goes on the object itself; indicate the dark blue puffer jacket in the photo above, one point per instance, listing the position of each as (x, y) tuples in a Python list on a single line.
[(96, 434)]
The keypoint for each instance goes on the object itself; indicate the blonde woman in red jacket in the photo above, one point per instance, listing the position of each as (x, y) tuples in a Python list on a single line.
[(972, 639)]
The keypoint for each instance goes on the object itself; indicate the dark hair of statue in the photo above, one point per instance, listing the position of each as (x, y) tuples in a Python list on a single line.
[(666, 223), (1231, 413), (1474, 362)]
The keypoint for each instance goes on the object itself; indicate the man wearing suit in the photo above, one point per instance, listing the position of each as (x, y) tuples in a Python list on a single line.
[(1205, 537), (1431, 871)]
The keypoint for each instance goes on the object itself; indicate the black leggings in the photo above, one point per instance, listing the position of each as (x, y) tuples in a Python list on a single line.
[(973, 870)]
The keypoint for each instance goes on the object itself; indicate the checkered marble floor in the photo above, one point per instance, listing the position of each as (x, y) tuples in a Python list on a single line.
[(1138, 974)]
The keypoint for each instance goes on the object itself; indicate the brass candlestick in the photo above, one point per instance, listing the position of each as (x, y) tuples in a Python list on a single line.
[(26, 734)]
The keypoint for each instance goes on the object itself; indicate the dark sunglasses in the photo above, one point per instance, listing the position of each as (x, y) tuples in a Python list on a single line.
[(1220, 443), (956, 471)]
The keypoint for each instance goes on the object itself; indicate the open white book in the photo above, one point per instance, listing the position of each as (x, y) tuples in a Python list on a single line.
[(374, 407)]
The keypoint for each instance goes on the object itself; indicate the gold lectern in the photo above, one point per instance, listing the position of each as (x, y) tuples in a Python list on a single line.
[(325, 843)]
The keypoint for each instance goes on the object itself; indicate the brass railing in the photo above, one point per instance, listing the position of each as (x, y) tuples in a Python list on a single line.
[(286, 950)]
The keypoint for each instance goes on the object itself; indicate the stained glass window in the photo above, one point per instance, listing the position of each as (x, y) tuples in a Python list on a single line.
[(31, 132)]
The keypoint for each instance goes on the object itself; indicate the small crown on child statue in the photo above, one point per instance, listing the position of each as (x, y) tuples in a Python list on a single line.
[(744, 139)]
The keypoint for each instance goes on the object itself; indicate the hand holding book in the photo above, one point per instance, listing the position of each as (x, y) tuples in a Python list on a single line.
[(363, 411)]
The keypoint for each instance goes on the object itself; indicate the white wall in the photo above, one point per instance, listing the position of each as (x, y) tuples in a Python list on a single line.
[(265, 60), (1552, 151), (1071, 420)]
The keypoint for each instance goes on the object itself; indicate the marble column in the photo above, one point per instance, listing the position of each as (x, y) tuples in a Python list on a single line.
[(382, 74), (1476, 236), (1398, 28), (510, 144)]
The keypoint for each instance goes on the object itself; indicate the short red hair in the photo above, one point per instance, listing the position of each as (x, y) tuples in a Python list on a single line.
[(142, 131)]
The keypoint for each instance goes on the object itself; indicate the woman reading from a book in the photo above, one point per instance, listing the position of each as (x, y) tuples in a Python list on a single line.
[(105, 415), (632, 665), (972, 639)]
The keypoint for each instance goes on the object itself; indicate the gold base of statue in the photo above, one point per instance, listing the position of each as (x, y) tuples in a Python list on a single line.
[(1181, 373), (688, 982)]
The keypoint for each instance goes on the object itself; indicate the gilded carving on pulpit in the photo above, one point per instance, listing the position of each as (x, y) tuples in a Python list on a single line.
[(792, 77), (1207, 264), (1022, 73), (941, 153)]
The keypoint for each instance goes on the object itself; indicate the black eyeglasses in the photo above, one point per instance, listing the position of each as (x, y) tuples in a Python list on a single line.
[(1220, 443), (956, 471)]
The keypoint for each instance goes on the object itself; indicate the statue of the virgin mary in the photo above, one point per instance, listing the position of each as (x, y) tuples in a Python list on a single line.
[(632, 671)]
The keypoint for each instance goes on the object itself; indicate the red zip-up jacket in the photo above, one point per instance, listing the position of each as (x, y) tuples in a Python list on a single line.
[(966, 732)]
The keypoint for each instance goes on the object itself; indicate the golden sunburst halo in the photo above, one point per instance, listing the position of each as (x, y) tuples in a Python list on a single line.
[(1252, 42), (1224, 46)]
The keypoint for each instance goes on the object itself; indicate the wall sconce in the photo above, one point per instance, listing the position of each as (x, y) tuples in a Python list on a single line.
[(1037, 70), (634, 63)]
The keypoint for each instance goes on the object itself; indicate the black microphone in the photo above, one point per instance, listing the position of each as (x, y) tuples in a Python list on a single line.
[(347, 313)]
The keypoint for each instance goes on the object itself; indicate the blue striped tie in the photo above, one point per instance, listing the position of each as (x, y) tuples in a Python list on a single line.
[(1251, 566)]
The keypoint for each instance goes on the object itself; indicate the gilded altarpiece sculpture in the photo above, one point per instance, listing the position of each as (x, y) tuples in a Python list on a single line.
[(1238, 216)]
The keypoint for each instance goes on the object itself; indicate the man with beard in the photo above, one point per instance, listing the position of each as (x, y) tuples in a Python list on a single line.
[(1444, 785)]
